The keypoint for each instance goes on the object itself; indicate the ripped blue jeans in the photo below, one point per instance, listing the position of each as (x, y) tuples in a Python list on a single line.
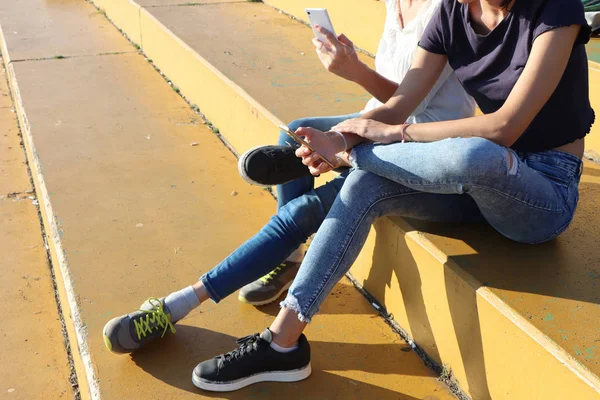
[(453, 180)]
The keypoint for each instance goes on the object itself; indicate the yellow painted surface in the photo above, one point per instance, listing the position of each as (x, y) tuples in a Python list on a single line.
[(141, 213), (593, 139), (36, 29), (13, 170), (184, 3), (34, 361), (125, 14), (362, 21), (264, 68), (550, 288), (448, 327)]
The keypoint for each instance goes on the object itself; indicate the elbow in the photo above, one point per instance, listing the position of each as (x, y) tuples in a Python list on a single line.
[(505, 132)]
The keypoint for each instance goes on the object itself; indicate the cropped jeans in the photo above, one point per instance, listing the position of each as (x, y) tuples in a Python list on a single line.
[(527, 197)]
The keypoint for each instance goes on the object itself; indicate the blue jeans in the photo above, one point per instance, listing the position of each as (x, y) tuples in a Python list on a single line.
[(291, 190), (454, 180), (287, 230)]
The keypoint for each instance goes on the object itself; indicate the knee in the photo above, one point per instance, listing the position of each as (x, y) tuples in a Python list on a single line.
[(285, 140), (471, 155), (303, 214), (362, 190)]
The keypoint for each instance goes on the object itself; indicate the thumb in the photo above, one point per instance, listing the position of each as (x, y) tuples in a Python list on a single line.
[(345, 41)]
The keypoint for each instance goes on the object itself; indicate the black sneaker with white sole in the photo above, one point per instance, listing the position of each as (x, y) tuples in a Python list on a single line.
[(271, 165), (252, 362)]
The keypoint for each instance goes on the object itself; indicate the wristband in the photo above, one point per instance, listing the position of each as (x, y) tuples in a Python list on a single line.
[(343, 138)]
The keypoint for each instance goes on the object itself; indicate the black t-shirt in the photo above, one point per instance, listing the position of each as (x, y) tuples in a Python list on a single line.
[(488, 66)]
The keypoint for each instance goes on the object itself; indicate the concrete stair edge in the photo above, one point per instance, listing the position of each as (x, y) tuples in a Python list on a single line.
[(266, 121)]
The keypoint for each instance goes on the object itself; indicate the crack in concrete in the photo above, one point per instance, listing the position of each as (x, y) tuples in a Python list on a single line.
[(444, 374), (61, 57), (27, 195)]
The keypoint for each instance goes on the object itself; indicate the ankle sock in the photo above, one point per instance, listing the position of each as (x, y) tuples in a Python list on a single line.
[(281, 349), (181, 303)]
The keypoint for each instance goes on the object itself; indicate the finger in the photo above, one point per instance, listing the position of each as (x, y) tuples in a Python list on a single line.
[(328, 35), (319, 168), (349, 125), (343, 39), (311, 159), (320, 45), (308, 133), (303, 151), (315, 169)]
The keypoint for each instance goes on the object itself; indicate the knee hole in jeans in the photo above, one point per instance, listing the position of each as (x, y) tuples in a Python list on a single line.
[(511, 162)]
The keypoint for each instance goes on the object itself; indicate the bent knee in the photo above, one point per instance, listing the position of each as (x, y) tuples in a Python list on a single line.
[(479, 155)]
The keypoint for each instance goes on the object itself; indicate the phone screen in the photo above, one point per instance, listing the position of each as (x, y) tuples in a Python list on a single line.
[(299, 139)]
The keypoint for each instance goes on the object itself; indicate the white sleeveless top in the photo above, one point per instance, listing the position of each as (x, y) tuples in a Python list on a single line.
[(447, 100)]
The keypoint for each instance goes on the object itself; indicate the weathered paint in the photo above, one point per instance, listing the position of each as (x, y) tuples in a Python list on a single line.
[(34, 360), (459, 328), (36, 29), (264, 60), (144, 212), (362, 21)]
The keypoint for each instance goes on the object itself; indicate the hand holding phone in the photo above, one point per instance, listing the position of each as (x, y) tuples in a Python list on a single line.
[(313, 147), (320, 16)]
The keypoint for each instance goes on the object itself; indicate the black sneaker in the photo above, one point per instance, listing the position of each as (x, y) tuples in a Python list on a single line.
[(252, 362), (271, 165)]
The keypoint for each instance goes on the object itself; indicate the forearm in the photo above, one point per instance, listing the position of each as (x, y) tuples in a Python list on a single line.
[(491, 126), (378, 86)]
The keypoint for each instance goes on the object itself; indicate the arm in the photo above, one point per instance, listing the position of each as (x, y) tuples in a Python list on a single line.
[(546, 64), (381, 124), (384, 123), (339, 57)]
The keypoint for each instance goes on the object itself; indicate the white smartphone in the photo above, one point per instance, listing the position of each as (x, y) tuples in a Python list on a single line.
[(320, 16)]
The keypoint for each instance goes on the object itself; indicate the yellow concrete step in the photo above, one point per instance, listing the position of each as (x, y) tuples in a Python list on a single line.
[(466, 304), (362, 20), (34, 357), (132, 210)]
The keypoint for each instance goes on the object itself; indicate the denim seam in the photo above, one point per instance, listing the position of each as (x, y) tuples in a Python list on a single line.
[(522, 201), (489, 189), (556, 232), (339, 257), (357, 165)]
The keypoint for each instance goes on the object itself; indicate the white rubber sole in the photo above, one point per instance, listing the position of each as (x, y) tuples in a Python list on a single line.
[(241, 171), (281, 376), (268, 301)]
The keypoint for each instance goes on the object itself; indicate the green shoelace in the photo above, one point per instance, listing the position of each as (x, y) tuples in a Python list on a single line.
[(271, 275), (153, 319)]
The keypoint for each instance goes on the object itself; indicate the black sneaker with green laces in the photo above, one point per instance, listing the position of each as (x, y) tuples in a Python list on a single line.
[(252, 362), (129, 332), (267, 289)]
